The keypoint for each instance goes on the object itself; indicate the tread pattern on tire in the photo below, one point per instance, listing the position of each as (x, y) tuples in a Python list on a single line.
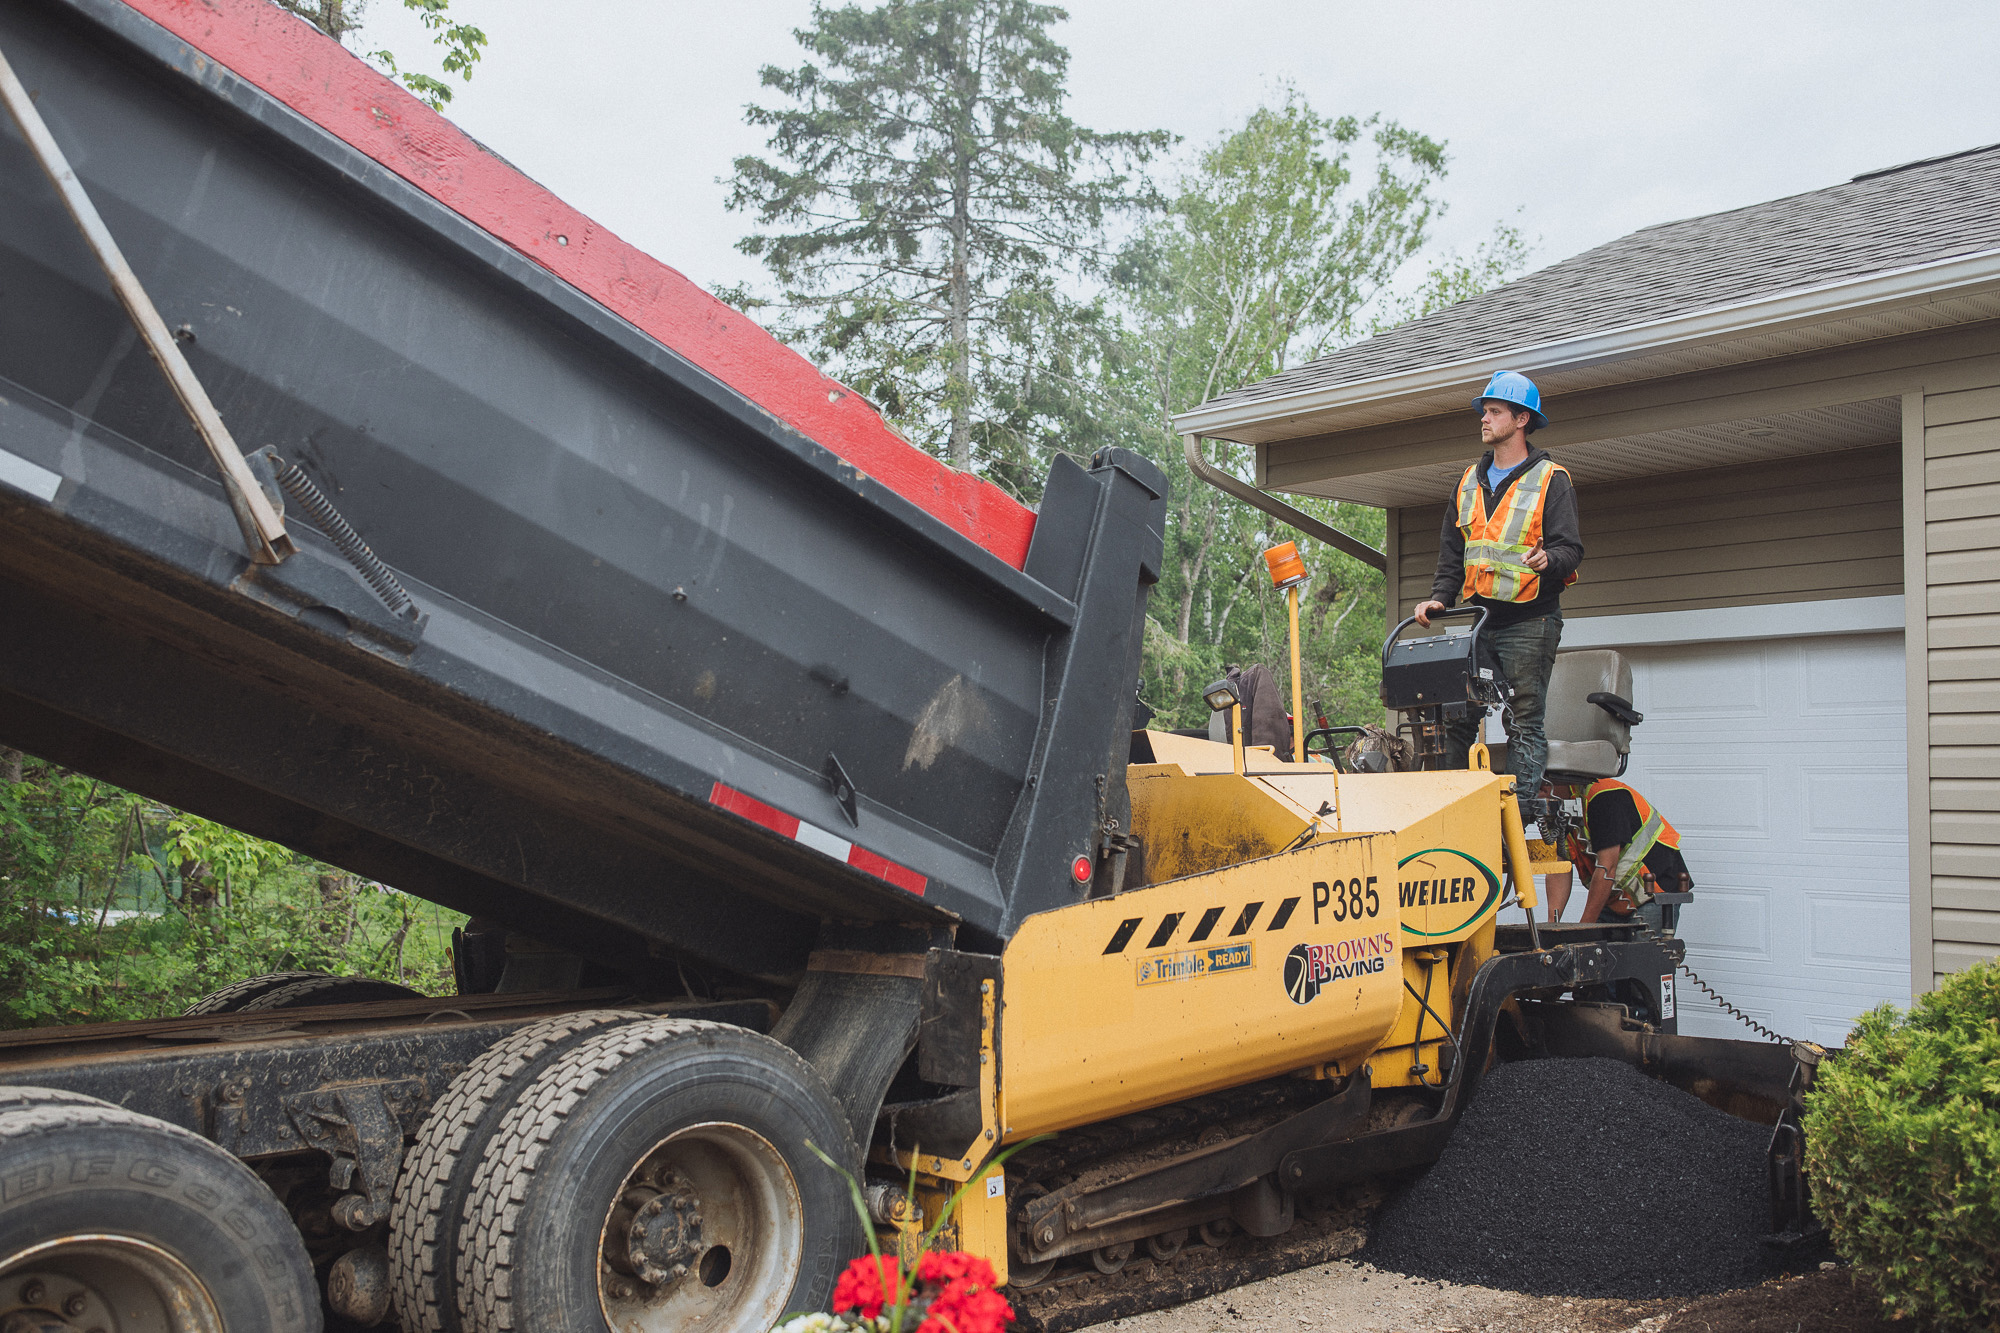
[(416, 1217), (485, 1252), (66, 1112), (20, 1097), (229, 998), (321, 989)]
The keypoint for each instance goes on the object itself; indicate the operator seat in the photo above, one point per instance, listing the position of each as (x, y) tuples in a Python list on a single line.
[(1589, 719)]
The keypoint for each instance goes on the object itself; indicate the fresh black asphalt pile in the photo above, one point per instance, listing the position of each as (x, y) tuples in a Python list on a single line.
[(1585, 1178)]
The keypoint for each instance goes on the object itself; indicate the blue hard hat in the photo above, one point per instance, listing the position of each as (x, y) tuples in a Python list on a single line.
[(1510, 386)]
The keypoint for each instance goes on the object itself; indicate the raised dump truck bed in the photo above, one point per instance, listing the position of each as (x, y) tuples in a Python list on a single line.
[(682, 678)]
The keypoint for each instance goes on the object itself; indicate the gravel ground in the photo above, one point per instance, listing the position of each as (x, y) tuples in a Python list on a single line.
[(1350, 1297), (1356, 1298), (1585, 1178)]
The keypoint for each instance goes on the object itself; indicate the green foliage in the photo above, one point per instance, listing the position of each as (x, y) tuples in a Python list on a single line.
[(461, 43), (1279, 244), (938, 197), (119, 907), (937, 226), (1903, 1151)]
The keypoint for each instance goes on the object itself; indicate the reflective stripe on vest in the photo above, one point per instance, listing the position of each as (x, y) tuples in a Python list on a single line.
[(1496, 544), (1632, 861), (1653, 830)]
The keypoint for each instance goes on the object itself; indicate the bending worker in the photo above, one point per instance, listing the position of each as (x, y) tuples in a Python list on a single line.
[(1628, 853), (1510, 544)]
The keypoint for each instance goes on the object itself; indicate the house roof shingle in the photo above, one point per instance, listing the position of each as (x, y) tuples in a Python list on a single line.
[(1898, 218)]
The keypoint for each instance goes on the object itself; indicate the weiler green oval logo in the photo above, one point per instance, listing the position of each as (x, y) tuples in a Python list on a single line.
[(1442, 877)]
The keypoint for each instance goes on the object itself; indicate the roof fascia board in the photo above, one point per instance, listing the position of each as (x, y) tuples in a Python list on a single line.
[(1824, 377), (1878, 292)]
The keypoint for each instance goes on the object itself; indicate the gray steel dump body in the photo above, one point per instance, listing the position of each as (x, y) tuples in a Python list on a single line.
[(651, 607)]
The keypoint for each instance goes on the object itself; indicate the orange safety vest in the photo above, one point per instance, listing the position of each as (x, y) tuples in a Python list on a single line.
[(1496, 543), (1667, 835)]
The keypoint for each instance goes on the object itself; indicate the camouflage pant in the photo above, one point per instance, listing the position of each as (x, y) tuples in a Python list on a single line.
[(1527, 654)]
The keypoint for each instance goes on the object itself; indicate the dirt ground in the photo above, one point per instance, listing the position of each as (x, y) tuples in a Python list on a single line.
[(1353, 1297)]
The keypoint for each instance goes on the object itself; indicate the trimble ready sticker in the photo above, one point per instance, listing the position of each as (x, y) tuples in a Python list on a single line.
[(1308, 967), (1189, 964)]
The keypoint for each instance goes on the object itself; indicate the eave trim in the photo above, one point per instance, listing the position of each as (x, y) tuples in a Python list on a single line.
[(1939, 279)]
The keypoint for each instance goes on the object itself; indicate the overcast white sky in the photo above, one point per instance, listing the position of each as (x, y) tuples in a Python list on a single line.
[(1580, 120)]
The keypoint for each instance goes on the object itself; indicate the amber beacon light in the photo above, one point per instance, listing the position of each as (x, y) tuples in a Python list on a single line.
[(1287, 569), (1288, 572)]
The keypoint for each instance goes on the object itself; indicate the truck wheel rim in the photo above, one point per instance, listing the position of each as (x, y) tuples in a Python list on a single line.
[(103, 1281), (707, 1231)]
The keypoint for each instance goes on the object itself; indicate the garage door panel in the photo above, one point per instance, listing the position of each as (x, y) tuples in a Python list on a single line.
[(1727, 802), (1857, 804), (1699, 688), (1848, 932), (1783, 764), (1847, 678), (1730, 921), (1831, 1029)]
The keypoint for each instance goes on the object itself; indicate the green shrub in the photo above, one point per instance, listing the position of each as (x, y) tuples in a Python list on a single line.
[(113, 906), (1903, 1151)]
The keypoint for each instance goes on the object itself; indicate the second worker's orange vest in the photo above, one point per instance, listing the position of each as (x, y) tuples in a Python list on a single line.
[(1579, 849), (1496, 544)]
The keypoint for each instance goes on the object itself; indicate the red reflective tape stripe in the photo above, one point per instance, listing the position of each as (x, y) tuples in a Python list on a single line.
[(754, 810), (318, 78), (741, 803), (883, 868)]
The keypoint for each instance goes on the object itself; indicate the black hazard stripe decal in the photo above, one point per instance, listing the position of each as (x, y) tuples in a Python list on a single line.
[(1170, 923), (1123, 935)]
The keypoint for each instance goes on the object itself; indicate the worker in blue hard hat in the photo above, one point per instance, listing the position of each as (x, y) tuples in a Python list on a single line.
[(1510, 544)]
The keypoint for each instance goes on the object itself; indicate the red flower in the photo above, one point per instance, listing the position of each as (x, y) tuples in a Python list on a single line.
[(964, 1300), (955, 1294), (867, 1285), (942, 1267), (964, 1308)]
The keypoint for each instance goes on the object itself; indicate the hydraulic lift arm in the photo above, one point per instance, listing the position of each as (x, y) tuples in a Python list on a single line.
[(263, 528)]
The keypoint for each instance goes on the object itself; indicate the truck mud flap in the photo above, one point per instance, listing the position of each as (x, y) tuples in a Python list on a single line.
[(854, 1018)]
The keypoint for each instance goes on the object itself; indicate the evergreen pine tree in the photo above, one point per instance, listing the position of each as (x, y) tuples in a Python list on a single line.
[(926, 200)]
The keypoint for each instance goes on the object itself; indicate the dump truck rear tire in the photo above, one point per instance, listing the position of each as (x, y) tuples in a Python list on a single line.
[(228, 999), (20, 1098), (111, 1210), (656, 1175), (310, 991), (438, 1169)]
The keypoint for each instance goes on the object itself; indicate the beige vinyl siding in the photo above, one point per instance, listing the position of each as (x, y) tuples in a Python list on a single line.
[(1961, 545), (1794, 530)]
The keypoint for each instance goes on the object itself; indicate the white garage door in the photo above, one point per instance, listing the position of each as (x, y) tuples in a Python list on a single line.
[(1782, 764)]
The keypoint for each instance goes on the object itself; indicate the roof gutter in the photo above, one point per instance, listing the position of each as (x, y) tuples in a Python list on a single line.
[(1940, 279), (1279, 510)]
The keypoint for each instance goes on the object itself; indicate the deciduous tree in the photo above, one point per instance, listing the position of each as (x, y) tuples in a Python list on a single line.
[(462, 43), (1285, 240)]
